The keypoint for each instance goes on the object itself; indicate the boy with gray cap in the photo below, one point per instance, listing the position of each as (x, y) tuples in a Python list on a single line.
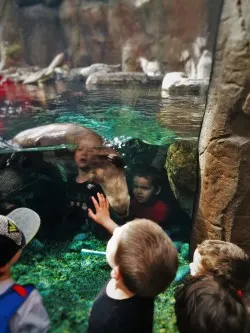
[(21, 308)]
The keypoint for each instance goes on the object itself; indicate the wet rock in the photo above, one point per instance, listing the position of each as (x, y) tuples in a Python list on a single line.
[(223, 210), (99, 68), (189, 87), (151, 68), (121, 79), (171, 78), (181, 166), (44, 74)]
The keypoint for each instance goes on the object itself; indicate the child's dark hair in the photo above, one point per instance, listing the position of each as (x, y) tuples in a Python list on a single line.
[(209, 305), (8, 249), (148, 172)]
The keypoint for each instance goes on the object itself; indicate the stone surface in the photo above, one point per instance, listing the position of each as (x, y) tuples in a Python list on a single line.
[(188, 87), (111, 32), (181, 166), (223, 210), (121, 79), (42, 33)]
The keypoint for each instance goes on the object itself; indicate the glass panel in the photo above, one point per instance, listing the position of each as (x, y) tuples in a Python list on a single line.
[(100, 96)]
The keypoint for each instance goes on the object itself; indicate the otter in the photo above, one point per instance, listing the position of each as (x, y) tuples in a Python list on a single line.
[(106, 168)]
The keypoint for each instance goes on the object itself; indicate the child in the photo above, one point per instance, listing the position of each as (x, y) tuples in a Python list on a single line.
[(80, 188), (208, 305), (21, 308), (146, 204), (143, 262), (223, 259)]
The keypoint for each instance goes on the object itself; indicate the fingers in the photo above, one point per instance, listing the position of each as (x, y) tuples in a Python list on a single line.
[(102, 200), (91, 214), (96, 204)]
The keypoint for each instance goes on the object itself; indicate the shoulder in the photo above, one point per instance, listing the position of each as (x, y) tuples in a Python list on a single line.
[(160, 205), (31, 316)]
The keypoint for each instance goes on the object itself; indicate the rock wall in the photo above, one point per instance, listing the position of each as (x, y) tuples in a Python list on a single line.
[(223, 210), (112, 31)]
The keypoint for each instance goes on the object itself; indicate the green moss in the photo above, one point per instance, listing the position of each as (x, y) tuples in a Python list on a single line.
[(69, 282)]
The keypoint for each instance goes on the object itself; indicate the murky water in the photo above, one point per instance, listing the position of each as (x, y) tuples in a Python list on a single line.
[(116, 114)]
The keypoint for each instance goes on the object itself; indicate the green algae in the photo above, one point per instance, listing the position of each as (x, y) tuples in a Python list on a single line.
[(69, 282)]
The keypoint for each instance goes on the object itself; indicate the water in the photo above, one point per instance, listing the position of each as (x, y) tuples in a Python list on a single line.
[(116, 114)]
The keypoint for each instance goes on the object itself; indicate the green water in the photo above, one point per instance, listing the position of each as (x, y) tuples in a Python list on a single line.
[(116, 114)]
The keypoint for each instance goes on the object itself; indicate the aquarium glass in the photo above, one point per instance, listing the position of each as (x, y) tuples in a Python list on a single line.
[(115, 129)]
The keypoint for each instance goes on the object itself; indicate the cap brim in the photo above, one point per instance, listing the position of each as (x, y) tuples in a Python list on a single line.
[(27, 221)]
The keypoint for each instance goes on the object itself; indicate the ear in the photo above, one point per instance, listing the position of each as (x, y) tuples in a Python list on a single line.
[(115, 273), (158, 190)]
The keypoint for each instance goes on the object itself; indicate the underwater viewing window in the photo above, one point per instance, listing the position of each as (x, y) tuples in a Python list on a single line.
[(100, 97)]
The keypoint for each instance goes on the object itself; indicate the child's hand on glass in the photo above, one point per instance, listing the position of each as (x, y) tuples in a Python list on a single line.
[(102, 216)]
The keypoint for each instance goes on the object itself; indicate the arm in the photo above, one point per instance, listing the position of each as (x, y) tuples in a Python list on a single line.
[(102, 216)]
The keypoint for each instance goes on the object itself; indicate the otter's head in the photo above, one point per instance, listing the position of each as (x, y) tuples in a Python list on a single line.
[(110, 174)]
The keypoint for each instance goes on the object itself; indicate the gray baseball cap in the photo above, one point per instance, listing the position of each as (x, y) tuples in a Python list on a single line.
[(17, 229)]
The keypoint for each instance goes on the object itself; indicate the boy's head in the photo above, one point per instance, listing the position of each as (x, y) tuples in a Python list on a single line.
[(16, 230), (208, 305), (223, 259), (146, 183), (85, 152), (143, 257)]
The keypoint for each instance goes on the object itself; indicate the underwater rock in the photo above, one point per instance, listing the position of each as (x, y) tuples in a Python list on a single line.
[(80, 237), (76, 245), (121, 79), (36, 245), (182, 272), (184, 252), (181, 166)]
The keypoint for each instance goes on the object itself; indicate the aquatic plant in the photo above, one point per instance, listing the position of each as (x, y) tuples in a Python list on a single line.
[(69, 282)]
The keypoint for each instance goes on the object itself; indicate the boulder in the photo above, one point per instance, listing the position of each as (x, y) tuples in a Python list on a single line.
[(171, 78), (176, 84), (121, 79), (181, 165), (223, 210), (97, 68)]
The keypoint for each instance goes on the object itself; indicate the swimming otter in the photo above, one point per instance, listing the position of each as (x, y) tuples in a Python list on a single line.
[(106, 168)]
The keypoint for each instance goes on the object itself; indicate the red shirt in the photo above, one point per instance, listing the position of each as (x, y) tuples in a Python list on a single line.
[(157, 212)]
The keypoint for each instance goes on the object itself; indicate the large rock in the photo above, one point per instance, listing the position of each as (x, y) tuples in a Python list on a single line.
[(87, 33), (181, 166), (121, 79), (223, 210), (11, 38), (42, 33)]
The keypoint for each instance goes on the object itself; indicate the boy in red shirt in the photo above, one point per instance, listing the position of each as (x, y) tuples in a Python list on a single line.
[(145, 203)]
